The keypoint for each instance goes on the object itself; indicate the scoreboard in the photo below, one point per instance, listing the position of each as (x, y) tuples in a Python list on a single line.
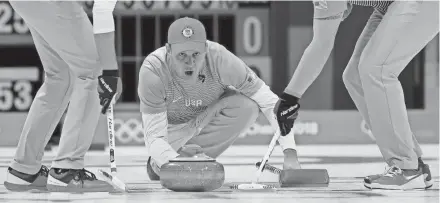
[(20, 66), (141, 27)]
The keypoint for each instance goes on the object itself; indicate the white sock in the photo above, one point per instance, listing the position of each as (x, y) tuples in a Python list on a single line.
[(288, 141)]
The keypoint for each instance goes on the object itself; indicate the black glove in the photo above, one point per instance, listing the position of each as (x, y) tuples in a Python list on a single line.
[(107, 88), (286, 111)]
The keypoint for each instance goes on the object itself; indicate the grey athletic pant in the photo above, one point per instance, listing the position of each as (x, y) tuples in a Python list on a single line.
[(219, 126), (64, 39), (386, 46)]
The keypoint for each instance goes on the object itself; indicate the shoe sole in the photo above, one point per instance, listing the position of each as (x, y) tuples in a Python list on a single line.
[(414, 184), (73, 189), (24, 188), (428, 183), (67, 189)]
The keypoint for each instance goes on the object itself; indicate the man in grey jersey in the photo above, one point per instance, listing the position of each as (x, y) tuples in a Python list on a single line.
[(394, 34), (73, 54), (196, 97)]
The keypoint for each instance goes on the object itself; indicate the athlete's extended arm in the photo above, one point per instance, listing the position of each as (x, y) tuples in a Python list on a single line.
[(104, 30), (154, 116), (315, 55), (312, 62), (234, 72), (110, 83)]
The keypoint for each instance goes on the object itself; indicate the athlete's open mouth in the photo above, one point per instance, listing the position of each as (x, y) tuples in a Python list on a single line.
[(189, 72)]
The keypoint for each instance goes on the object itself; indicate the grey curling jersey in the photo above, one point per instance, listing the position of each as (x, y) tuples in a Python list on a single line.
[(160, 90)]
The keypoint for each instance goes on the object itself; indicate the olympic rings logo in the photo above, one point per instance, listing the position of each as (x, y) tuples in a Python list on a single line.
[(128, 131)]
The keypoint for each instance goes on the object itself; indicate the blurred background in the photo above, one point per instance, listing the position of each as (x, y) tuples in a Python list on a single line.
[(269, 36)]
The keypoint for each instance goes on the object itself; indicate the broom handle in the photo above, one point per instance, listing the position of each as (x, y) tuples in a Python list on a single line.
[(111, 136), (267, 155)]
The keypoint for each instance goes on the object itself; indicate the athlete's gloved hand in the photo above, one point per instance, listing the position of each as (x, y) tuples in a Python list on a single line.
[(286, 111), (109, 86)]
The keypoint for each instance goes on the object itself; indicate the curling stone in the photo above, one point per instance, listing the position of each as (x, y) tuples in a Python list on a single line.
[(192, 174)]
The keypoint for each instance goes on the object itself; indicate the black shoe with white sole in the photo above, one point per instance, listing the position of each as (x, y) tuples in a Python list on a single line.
[(20, 182), (75, 181)]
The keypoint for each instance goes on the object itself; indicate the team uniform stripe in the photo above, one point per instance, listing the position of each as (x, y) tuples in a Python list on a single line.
[(382, 6)]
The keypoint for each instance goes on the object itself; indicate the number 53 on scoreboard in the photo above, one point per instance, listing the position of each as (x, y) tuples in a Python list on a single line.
[(17, 88)]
